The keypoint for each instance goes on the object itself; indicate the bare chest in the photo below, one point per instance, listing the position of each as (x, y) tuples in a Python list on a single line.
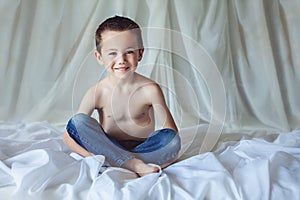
[(123, 106), (124, 113)]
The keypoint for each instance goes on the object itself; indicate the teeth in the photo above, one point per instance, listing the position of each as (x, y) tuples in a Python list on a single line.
[(121, 68)]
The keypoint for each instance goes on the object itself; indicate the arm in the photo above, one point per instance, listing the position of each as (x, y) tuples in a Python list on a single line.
[(87, 106), (88, 103), (160, 107)]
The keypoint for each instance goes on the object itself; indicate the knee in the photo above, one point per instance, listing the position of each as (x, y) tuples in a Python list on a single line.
[(79, 119), (75, 122), (172, 147), (176, 143), (172, 139)]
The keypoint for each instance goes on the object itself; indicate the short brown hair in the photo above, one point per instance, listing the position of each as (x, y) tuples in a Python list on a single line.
[(118, 23)]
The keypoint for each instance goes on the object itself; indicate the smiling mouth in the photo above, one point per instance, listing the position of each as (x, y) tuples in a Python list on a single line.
[(121, 69)]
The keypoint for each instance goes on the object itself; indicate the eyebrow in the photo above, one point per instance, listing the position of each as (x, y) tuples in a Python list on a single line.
[(110, 50), (117, 49)]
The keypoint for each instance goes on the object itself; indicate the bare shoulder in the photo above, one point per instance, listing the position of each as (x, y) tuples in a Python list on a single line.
[(95, 92), (147, 84), (100, 88), (149, 87), (92, 98)]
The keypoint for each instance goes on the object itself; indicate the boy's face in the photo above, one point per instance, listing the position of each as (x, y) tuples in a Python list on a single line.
[(119, 52)]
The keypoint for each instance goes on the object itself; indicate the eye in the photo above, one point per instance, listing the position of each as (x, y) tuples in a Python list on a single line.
[(129, 52), (112, 53)]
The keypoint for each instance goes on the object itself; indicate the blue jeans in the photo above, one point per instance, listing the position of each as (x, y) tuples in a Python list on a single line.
[(160, 147)]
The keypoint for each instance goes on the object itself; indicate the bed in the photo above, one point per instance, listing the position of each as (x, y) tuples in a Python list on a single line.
[(258, 165)]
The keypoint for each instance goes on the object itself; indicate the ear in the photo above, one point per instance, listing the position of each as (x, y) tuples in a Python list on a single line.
[(98, 57), (141, 52)]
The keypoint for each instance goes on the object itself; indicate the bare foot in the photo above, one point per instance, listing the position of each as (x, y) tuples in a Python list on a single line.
[(140, 167)]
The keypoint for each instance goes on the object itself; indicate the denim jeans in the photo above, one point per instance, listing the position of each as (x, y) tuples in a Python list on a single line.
[(160, 147)]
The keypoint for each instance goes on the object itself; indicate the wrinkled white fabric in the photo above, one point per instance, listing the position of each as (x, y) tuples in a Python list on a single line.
[(212, 58), (224, 66), (36, 165)]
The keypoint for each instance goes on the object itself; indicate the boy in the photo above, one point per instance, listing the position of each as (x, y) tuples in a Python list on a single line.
[(126, 103)]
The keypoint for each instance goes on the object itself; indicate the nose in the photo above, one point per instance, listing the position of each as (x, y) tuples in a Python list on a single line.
[(121, 59)]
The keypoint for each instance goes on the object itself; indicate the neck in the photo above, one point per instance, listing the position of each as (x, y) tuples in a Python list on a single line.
[(126, 80)]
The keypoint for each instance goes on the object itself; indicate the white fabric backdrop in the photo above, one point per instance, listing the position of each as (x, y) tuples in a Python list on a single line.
[(239, 58)]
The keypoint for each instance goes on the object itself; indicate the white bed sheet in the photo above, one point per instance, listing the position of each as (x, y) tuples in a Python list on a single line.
[(36, 165)]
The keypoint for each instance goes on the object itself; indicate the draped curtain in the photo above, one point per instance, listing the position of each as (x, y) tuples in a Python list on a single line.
[(232, 63)]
